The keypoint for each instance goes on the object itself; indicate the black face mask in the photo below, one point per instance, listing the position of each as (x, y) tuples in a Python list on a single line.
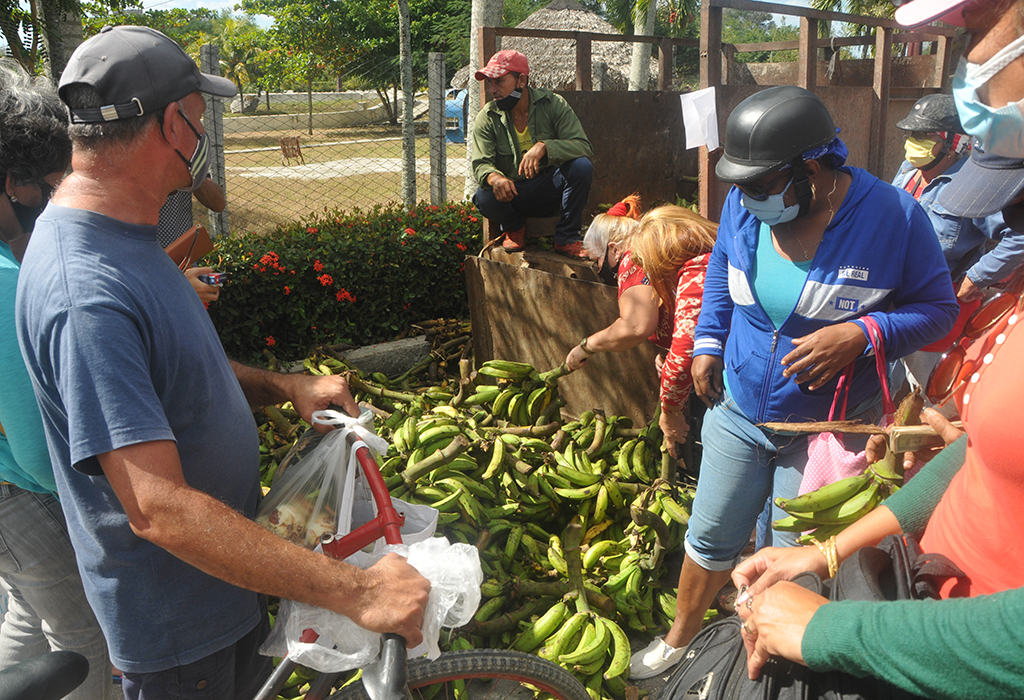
[(27, 215), (508, 102), (608, 272)]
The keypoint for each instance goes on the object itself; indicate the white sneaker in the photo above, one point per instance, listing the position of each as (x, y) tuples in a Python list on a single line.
[(657, 658)]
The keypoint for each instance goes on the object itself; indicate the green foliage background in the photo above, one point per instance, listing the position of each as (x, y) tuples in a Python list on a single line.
[(358, 277)]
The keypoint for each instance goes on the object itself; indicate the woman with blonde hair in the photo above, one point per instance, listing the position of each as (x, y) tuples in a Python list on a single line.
[(672, 246), (607, 243)]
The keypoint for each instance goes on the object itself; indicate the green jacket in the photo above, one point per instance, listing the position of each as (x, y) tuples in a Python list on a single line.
[(550, 119)]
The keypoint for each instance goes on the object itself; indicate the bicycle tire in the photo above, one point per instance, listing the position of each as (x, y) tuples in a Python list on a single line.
[(501, 675)]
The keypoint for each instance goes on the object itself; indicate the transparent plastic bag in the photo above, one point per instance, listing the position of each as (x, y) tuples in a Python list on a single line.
[(308, 497), (455, 576)]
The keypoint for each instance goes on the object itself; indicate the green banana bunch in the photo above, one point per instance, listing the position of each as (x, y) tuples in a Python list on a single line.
[(833, 506), (505, 369), (543, 627)]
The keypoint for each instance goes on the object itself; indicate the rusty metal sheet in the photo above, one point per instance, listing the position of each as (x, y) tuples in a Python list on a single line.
[(523, 313), (639, 146)]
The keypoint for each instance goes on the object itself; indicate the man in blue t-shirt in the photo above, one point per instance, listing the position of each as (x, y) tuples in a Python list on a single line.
[(149, 424)]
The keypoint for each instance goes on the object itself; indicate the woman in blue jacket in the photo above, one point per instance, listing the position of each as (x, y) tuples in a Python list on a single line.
[(806, 247)]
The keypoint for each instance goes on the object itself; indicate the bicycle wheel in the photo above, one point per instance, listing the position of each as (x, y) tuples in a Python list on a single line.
[(482, 674)]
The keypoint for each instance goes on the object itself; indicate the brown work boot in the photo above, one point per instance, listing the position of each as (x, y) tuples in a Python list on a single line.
[(572, 250), (514, 240)]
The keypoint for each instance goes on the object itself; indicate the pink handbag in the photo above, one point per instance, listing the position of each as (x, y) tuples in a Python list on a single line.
[(828, 460)]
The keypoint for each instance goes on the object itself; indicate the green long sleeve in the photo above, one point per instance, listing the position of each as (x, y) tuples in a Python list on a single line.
[(914, 503), (956, 649)]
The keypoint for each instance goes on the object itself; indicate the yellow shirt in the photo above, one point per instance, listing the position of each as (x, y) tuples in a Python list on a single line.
[(525, 140)]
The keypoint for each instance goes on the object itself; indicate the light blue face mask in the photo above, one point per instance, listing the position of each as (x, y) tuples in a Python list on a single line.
[(773, 209), (1000, 131)]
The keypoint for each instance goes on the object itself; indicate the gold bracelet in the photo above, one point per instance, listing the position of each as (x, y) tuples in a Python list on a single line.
[(583, 346), (831, 554)]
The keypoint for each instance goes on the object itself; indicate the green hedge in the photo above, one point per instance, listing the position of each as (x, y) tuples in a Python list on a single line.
[(359, 277)]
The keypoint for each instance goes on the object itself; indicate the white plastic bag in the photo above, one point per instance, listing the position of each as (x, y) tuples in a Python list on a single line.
[(455, 576), (315, 494)]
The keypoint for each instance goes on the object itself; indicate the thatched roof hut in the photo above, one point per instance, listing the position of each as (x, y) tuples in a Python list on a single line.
[(553, 61)]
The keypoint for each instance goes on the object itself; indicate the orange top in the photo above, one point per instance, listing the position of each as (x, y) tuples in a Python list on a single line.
[(980, 518)]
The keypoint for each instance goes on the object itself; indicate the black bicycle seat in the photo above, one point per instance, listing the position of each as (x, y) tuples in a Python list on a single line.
[(47, 677)]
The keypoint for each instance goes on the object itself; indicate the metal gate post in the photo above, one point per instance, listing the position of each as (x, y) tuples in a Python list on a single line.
[(209, 60)]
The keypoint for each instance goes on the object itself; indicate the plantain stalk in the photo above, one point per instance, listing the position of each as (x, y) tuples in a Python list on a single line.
[(827, 426), (557, 589), (522, 431), (360, 384), (440, 457), (281, 424), (574, 561), (503, 623)]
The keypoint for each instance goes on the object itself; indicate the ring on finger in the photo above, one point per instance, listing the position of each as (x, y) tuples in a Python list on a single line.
[(746, 628), (750, 603)]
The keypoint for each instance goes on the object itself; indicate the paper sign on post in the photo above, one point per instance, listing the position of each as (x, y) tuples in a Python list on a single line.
[(700, 118)]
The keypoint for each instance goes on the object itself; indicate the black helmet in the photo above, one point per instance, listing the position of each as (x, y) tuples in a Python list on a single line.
[(770, 129), (773, 128), (933, 113)]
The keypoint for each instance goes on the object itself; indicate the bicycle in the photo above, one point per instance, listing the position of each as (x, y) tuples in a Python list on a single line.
[(467, 675)]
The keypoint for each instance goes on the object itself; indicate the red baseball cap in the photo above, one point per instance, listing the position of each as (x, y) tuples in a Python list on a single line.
[(504, 62), (919, 12)]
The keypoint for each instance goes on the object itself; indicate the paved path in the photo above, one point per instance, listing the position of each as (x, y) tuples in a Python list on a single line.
[(457, 167)]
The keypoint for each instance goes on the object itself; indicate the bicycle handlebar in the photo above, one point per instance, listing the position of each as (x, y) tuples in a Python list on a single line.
[(387, 524)]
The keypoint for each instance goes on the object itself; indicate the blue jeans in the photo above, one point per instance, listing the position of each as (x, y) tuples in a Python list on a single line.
[(236, 672), (562, 190), (742, 465), (47, 608)]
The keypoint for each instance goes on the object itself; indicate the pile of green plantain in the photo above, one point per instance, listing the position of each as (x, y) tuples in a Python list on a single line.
[(572, 518)]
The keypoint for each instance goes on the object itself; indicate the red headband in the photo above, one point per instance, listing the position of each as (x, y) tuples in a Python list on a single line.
[(619, 209)]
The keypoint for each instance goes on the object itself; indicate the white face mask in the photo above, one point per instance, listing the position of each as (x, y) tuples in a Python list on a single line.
[(999, 130)]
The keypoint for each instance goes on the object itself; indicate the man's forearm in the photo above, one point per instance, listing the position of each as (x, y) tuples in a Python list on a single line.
[(262, 387), (234, 549)]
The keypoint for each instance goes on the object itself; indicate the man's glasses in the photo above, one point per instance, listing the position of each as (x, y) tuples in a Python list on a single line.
[(990, 320), (759, 193)]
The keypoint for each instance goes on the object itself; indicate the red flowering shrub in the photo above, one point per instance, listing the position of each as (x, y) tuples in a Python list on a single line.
[(359, 277)]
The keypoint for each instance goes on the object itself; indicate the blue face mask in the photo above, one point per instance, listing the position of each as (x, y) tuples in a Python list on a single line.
[(773, 209), (1000, 131)]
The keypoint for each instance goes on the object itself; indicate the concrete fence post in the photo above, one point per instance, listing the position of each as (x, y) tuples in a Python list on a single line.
[(437, 129)]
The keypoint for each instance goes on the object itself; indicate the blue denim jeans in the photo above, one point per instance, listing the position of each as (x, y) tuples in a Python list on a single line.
[(562, 190), (47, 608), (742, 465), (236, 672)]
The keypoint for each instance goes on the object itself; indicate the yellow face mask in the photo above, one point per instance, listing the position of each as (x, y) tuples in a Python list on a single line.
[(919, 151)]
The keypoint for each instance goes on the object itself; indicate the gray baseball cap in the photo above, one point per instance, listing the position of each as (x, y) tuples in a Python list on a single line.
[(136, 70)]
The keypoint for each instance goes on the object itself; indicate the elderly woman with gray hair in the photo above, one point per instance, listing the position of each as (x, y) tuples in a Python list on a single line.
[(640, 316), (47, 608)]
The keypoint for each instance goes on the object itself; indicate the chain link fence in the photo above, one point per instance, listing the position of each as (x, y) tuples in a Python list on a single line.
[(289, 156)]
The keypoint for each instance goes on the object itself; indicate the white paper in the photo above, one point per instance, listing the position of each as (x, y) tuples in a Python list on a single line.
[(700, 118)]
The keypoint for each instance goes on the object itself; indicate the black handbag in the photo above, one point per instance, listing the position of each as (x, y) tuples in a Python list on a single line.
[(714, 666)]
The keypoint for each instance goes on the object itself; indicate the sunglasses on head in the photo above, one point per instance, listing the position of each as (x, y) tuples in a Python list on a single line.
[(759, 193), (990, 320)]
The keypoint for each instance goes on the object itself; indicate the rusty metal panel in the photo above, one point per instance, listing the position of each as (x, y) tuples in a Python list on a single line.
[(531, 315), (639, 146)]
